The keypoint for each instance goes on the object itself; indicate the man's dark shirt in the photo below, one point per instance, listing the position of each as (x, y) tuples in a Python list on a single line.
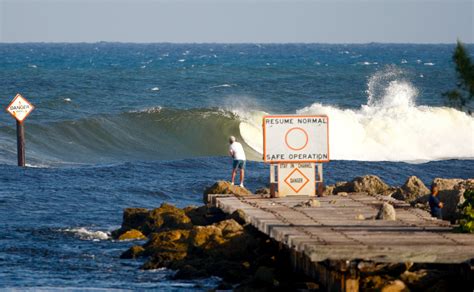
[(434, 206)]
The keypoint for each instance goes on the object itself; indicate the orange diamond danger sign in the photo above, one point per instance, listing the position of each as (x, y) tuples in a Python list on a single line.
[(296, 179), (20, 108)]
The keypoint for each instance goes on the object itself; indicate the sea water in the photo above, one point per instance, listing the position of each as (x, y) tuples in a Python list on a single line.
[(135, 125)]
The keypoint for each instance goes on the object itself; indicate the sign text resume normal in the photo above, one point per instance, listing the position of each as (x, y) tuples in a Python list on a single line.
[(295, 139)]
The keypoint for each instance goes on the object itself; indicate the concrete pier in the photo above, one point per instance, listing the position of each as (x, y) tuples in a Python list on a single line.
[(329, 242)]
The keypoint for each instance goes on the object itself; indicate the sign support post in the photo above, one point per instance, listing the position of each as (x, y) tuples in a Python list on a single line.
[(20, 143), (20, 108)]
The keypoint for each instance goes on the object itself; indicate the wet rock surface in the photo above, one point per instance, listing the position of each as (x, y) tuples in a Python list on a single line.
[(209, 243)]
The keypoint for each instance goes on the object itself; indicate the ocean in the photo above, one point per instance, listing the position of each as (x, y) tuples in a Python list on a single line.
[(133, 125)]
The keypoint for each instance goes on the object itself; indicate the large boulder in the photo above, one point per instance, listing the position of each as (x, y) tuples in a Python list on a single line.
[(370, 184), (205, 215), (451, 193), (225, 188), (164, 218), (166, 247), (230, 228), (206, 237), (132, 234), (413, 189), (134, 218)]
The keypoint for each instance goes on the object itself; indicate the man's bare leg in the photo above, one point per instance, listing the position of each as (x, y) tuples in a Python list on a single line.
[(233, 175), (242, 175)]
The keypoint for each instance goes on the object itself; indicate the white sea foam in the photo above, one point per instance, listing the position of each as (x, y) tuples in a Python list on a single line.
[(149, 110), (155, 89), (390, 127), (85, 234), (181, 60), (366, 63), (67, 99), (223, 85), (428, 64)]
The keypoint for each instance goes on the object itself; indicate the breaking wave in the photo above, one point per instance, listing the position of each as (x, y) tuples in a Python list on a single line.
[(389, 127)]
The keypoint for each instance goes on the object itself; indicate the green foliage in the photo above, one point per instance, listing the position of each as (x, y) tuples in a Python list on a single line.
[(464, 93), (467, 213)]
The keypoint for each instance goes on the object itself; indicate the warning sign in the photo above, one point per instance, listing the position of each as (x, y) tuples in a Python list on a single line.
[(295, 139), (20, 108), (296, 179)]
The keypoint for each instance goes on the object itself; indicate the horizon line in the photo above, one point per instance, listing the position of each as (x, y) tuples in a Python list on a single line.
[(237, 43)]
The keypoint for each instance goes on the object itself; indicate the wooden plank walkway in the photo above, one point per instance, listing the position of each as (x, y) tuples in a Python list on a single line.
[(334, 230)]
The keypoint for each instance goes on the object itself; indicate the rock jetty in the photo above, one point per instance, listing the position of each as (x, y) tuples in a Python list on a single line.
[(199, 242)]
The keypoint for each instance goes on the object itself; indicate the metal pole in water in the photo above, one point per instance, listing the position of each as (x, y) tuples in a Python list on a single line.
[(20, 142)]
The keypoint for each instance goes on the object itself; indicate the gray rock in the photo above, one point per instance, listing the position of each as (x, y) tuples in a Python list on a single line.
[(386, 212), (413, 189), (451, 193), (370, 184)]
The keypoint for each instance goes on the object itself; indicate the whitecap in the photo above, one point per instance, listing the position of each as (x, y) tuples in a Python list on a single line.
[(181, 60), (149, 110), (32, 66), (67, 99), (403, 61), (155, 89), (85, 234), (223, 85), (428, 64)]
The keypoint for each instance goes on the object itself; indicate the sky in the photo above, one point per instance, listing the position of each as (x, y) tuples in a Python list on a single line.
[(231, 21)]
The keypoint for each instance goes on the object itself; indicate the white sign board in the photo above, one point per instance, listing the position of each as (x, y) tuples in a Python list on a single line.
[(295, 139), (296, 179), (20, 108)]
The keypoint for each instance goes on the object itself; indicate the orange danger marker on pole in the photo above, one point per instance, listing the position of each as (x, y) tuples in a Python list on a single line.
[(20, 108)]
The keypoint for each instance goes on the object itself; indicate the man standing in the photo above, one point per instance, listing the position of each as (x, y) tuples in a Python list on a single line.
[(237, 152)]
